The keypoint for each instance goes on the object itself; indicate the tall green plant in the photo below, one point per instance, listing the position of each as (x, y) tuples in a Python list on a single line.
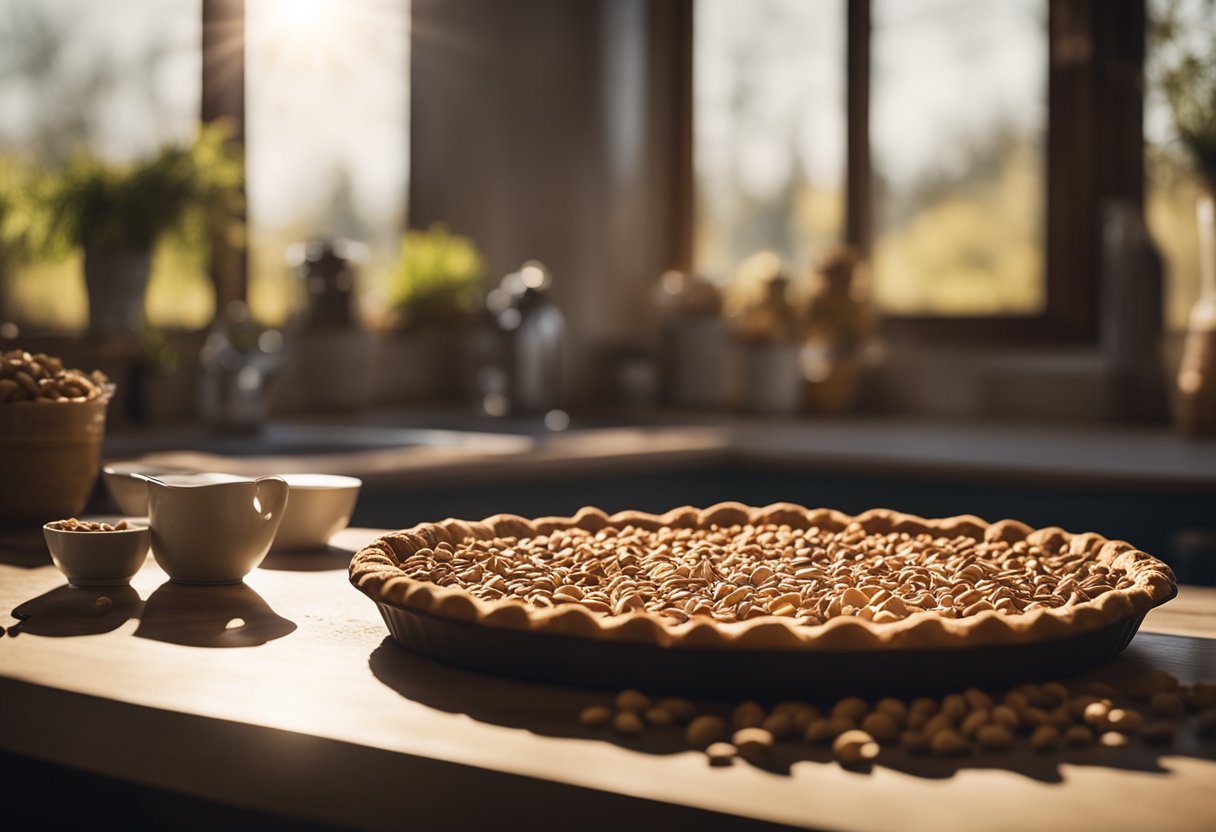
[(193, 191)]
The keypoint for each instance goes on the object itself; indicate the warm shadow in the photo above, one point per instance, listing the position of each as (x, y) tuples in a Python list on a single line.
[(543, 709), (316, 560), (72, 611), (210, 616), (553, 710)]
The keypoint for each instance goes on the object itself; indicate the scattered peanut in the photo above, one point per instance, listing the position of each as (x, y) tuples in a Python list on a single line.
[(1077, 705), (1006, 716), (1124, 720), (937, 724), (972, 723), (1016, 701), (721, 753), (1096, 713), (632, 700), (954, 706), (893, 708), (947, 729), (819, 731), (780, 724), (627, 723), (914, 742), (993, 737), (880, 725), (976, 699), (705, 730), (595, 716), (658, 718), (1060, 717), (800, 713), (949, 743), (681, 710), (854, 748), (851, 707), (753, 743), (1078, 735), (1167, 704), (1045, 738), (748, 715)]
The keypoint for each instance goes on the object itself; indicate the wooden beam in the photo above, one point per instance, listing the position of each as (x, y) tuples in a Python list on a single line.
[(858, 181), (678, 14), (223, 97)]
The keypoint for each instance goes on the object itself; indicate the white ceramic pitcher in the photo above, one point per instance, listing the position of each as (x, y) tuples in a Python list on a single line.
[(213, 528)]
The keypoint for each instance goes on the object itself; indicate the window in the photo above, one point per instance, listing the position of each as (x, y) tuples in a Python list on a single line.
[(958, 109), (769, 98), (1173, 187), (117, 79), (327, 129), (983, 138)]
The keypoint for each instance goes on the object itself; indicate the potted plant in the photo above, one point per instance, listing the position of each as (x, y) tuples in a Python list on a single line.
[(432, 293), (436, 279), (117, 212)]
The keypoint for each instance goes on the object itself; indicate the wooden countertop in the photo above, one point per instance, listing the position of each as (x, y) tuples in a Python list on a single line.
[(303, 708)]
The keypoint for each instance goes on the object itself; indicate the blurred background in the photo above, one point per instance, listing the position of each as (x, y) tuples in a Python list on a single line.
[(947, 255)]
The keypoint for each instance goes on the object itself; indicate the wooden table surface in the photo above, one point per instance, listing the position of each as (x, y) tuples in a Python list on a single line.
[(284, 695)]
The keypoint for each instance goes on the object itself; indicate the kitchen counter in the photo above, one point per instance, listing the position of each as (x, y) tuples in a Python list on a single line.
[(284, 695), (1103, 456)]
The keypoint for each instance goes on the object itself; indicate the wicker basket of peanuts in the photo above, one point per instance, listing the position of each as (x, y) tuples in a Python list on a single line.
[(52, 422)]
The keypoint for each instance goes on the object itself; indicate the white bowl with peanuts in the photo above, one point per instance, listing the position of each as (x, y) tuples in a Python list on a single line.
[(105, 552)]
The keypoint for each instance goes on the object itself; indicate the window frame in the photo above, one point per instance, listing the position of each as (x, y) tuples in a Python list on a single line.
[(1095, 152), (223, 97)]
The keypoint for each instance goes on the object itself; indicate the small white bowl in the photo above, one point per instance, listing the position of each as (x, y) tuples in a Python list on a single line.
[(127, 490), (99, 558), (318, 507)]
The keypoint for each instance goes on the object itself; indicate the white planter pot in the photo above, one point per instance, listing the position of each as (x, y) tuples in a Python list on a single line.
[(772, 379), (698, 372), (117, 282)]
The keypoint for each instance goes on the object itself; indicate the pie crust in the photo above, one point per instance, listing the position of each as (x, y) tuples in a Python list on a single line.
[(1128, 582)]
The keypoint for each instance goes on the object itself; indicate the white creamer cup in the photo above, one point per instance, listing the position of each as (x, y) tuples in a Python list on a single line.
[(213, 528)]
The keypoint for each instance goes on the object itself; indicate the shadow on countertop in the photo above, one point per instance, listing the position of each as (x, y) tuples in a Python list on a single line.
[(74, 611), (311, 561), (194, 616), (551, 710), (232, 615)]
